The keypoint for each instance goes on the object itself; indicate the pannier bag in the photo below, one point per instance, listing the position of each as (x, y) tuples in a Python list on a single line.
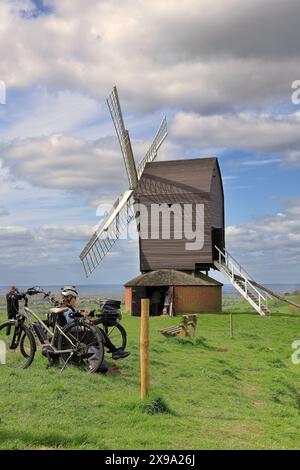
[(110, 304), (110, 311)]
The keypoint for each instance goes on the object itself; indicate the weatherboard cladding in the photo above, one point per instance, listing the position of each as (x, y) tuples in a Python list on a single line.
[(195, 181), (177, 176)]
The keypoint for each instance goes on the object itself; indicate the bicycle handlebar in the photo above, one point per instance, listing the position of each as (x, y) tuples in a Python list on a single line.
[(35, 291)]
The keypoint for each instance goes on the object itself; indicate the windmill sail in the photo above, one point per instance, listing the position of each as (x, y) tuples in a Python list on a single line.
[(123, 136), (108, 232), (152, 152)]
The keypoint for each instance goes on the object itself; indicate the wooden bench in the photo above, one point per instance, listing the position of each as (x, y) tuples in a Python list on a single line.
[(187, 327)]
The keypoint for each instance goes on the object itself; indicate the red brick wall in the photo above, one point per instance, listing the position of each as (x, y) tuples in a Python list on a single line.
[(194, 299), (128, 298)]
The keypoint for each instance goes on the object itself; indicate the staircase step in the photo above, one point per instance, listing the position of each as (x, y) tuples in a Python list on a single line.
[(242, 286)]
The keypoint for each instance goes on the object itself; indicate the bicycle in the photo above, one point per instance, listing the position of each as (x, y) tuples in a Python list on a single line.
[(79, 343), (109, 316)]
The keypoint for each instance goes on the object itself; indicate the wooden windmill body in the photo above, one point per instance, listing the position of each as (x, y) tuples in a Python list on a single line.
[(181, 186), (181, 190)]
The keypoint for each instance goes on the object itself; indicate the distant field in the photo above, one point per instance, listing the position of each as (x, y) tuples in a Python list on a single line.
[(216, 392)]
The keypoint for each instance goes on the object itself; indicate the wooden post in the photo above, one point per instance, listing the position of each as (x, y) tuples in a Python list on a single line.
[(144, 347), (231, 325)]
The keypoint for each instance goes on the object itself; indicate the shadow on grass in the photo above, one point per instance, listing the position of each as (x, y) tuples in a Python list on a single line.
[(116, 371), (293, 314), (285, 394), (230, 373), (152, 405), (200, 341), (235, 313), (21, 439), (221, 418)]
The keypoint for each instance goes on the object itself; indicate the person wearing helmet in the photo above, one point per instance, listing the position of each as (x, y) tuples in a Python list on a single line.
[(69, 300), (70, 297)]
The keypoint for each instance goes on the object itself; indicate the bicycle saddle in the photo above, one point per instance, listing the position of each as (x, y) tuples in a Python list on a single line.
[(58, 310)]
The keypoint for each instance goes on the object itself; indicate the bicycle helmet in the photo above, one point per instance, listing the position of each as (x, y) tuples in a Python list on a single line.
[(69, 291)]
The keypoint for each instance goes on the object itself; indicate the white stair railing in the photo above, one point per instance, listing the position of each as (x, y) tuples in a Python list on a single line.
[(234, 271)]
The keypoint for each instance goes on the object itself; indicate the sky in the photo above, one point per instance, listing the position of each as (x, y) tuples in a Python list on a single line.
[(222, 73)]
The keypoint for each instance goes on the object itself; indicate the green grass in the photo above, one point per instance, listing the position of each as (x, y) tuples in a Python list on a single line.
[(212, 392)]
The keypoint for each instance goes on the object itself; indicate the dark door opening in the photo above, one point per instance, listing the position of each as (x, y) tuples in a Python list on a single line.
[(217, 239), (157, 297)]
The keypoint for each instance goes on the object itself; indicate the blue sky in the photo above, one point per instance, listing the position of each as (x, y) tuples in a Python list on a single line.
[(221, 75)]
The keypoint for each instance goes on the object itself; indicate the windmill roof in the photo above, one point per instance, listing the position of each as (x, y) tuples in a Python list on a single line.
[(171, 277), (177, 176)]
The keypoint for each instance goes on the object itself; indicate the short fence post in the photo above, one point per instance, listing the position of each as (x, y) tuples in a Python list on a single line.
[(144, 347), (231, 325)]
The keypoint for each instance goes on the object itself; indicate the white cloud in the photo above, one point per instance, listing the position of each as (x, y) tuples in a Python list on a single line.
[(28, 246), (50, 254), (269, 246), (225, 61), (42, 113), (61, 162), (260, 162), (292, 158), (196, 54), (73, 164), (3, 211), (15, 233), (64, 233), (259, 132)]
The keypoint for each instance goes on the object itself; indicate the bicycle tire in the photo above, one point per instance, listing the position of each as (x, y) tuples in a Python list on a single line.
[(117, 335), (22, 346), (89, 351), (20, 331)]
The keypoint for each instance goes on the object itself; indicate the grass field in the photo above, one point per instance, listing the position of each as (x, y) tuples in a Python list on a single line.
[(212, 392)]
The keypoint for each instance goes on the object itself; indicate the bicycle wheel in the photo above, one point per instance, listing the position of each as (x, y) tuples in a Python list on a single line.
[(117, 335), (25, 351), (84, 346), (17, 345)]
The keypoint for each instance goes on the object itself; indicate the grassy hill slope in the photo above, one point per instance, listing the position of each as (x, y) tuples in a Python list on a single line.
[(213, 392)]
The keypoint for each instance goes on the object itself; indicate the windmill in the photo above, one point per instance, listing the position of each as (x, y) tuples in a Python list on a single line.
[(122, 212), (167, 263)]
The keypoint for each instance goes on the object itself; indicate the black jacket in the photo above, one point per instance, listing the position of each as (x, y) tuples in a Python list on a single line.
[(12, 301)]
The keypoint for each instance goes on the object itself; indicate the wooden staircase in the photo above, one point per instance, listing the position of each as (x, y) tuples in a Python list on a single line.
[(241, 280)]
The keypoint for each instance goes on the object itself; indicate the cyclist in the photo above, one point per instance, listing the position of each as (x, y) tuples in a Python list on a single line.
[(12, 301), (69, 299)]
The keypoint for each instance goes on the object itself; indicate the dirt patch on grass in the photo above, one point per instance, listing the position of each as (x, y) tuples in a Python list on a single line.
[(243, 428), (259, 405), (249, 389), (115, 371)]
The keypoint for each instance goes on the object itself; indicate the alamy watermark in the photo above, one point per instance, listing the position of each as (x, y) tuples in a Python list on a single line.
[(2, 92), (162, 222), (2, 352), (295, 357), (296, 94)]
